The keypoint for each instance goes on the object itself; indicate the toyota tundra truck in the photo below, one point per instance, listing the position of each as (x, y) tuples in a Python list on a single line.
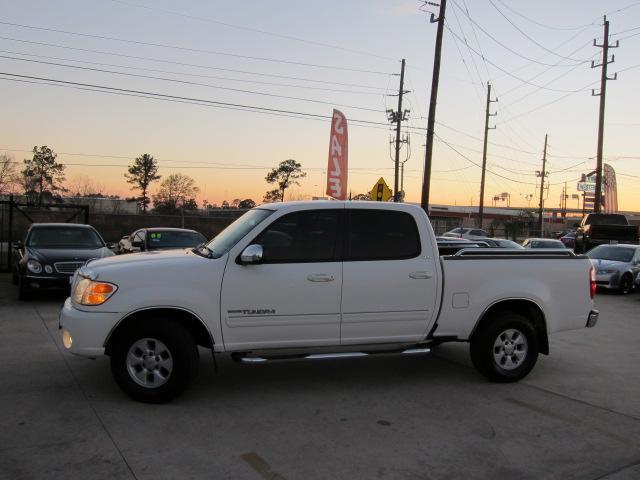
[(318, 280)]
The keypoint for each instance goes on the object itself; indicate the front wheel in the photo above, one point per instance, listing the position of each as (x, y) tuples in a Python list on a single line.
[(154, 362), (506, 348), (626, 284)]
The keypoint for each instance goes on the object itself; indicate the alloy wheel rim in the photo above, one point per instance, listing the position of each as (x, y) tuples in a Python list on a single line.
[(510, 349), (149, 363)]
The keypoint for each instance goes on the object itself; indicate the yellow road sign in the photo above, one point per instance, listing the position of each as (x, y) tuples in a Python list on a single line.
[(381, 191)]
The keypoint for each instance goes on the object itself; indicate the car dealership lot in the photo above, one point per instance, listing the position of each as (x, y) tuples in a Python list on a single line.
[(577, 415)]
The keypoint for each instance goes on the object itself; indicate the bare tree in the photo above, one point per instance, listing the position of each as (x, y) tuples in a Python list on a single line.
[(85, 186), (8, 174), (176, 191)]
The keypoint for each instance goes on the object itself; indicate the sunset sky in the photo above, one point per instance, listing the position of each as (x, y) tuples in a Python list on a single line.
[(322, 55)]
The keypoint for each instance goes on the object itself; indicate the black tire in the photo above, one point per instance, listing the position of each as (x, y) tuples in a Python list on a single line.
[(626, 284), (182, 350), (484, 352), (24, 291)]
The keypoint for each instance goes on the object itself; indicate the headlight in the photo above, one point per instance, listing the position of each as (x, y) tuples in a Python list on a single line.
[(89, 292), (34, 266), (605, 272)]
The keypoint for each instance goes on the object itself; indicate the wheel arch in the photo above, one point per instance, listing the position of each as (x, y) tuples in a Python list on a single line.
[(189, 320), (524, 306)]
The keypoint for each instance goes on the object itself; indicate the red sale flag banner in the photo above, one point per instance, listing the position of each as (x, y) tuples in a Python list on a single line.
[(338, 157)]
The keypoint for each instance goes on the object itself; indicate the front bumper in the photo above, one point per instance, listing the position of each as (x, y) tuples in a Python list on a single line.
[(592, 319), (608, 280), (46, 282), (87, 331)]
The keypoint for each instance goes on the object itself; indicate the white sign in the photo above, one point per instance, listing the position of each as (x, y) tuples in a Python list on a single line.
[(586, 187)]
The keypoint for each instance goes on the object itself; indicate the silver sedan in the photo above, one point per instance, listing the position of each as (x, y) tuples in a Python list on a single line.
[(616, 266)]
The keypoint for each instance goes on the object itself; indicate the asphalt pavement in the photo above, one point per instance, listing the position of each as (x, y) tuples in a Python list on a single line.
[(576, 416)]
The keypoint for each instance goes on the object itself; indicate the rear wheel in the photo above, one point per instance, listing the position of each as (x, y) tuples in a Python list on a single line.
[(154, 361), (506, 347), (626, 284)]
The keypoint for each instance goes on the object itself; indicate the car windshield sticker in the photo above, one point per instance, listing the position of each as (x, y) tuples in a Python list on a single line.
[(155, 237)]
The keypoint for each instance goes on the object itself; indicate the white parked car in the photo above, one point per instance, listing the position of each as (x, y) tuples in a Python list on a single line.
[(468, 233), (317, 280)]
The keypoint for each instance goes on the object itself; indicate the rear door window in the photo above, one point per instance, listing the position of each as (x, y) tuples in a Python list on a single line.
[(381, 235)]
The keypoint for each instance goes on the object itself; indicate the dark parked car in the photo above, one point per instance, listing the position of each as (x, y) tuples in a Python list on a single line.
[(52, 252), (542, 243), (569, 240), (147, 239), (602, 228)]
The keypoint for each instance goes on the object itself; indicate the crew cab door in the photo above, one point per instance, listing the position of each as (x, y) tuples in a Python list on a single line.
[(390, 278), (291, 298)]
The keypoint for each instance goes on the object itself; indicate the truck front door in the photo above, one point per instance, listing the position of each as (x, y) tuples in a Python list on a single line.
[(291, 298)]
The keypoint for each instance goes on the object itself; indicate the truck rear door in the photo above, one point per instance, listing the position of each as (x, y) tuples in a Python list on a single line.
[(390, 277)]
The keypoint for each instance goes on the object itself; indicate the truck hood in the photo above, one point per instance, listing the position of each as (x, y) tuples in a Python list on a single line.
[(141, 258)]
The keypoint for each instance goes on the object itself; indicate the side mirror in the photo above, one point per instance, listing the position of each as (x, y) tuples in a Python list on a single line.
[(251, 254), (17, 245)]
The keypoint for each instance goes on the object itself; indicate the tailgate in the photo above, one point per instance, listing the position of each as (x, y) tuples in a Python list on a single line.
[(621, 233)]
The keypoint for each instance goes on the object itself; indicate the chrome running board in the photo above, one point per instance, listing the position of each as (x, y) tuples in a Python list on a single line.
[(247, 358)]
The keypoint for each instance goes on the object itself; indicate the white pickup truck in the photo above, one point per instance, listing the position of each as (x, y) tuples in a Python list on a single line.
[(321, 280)]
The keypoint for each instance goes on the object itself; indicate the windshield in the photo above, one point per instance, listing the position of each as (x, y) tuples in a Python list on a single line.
[(174, 239), (64, 237), (235, 232), (607, 252)]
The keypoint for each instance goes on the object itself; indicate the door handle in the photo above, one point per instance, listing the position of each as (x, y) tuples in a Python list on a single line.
[(320, 277), (420, 275)]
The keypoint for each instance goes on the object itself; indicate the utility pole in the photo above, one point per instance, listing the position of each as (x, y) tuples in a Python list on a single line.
[(543, 174), (428, 155), (597, 204), (484, 153), (398, 117)]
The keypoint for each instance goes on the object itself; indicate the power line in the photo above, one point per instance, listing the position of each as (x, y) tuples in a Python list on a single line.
[(528, 37), (535, 22), (478, 165), (507, 72), (254, 30), (191, 49), (186, 82), (506, 47), (207, 67), (187, 100), (197, 75)]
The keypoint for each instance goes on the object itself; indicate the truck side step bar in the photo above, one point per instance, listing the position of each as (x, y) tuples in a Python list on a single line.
[(247, 358)]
